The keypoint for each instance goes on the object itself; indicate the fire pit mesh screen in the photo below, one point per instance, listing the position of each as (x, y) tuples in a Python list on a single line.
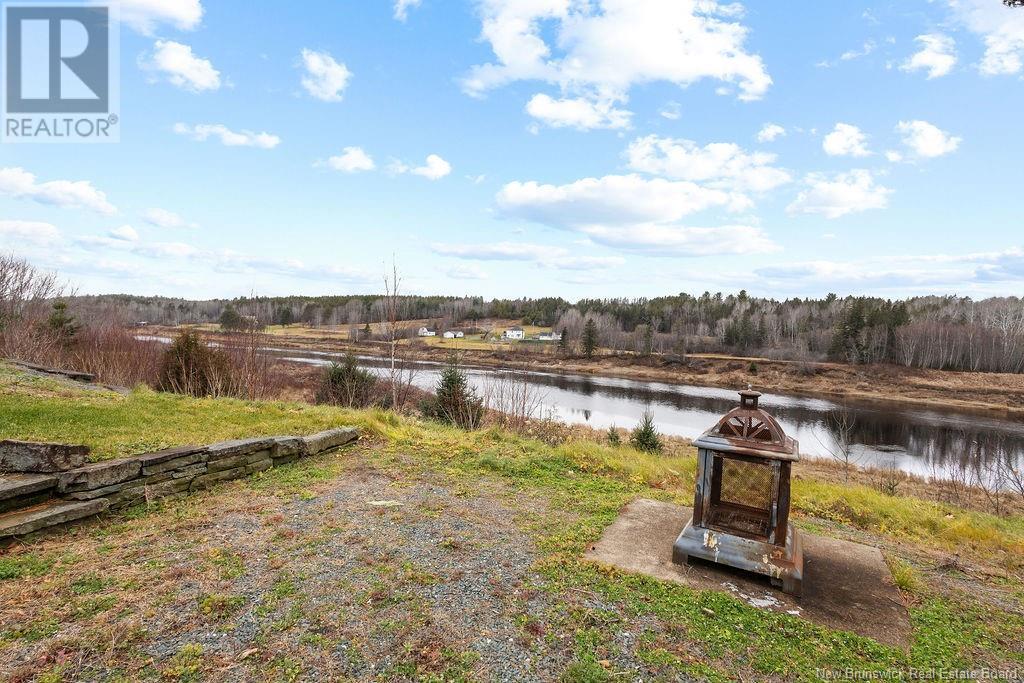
[(747, 483), (741, 498)]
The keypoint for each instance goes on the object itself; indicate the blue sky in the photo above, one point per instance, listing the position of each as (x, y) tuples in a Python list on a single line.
[(543, 147)]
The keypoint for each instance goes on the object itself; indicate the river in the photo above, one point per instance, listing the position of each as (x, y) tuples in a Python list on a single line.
[(932, 442), (920, 440)]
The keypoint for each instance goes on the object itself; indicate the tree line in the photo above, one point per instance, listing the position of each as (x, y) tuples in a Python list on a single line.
[(941, 332)]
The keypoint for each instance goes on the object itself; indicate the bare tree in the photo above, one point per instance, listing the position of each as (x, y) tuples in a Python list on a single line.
[(26, 294), (841, 425), (400, 376)]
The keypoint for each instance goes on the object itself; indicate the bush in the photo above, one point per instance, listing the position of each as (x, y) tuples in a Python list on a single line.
[(347, 384), (456, 402), (613, 436), (645, 437), (191, 367)]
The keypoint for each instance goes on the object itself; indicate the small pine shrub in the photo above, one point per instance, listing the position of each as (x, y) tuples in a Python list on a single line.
[(346, 384), (613, 436), (752, 368), (456, 401), (645, 436), (191, 367)]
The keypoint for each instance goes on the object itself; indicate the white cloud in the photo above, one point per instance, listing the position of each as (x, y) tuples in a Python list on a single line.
[(497, 251), (846, 140), (325, 78), (611, 200), (893, 156), (181, 67), (435, 168), (927, 140), (868, 47), (402, 8), (937, 55), (842, 194), (1002, 30), (145, 15), (907, 272), (636, 214), (722, 165), (162, 218), (548, 256), (126, 233), (352, 160), (246, 138), (467, 271), (770, 132), (599, 50), (677, 240), (671, 111), (70, 194), (577, 112), (30, 232)]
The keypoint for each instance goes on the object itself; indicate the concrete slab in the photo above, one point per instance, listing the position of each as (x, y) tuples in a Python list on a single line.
[(847, 586)]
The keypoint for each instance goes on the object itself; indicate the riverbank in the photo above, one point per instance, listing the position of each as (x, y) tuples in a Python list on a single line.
[(433, 553), (998, 393)]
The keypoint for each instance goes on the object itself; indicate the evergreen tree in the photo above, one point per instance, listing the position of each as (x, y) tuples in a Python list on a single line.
[(589, 338), (563, 342), (230, 319), (645, 437), (62, 323), (456, 402)]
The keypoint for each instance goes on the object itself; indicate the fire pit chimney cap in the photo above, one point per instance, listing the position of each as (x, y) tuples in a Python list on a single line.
[(748, 428)]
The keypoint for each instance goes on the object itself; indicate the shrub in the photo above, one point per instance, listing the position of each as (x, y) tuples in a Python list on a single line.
[(191, 367), (613, 436), (645, 437), (456, 402), (347, 384), (752, 368)]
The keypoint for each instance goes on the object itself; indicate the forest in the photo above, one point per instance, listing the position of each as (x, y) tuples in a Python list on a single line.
[(939, 332)]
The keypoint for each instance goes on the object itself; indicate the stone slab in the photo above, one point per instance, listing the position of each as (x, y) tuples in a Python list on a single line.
[(847, 586), (157, 457), (18, 485), (177, 463), (48, 514), (239, 460), (328, 439), (42, 458), (289, 448), (99, 474), (227, 449)]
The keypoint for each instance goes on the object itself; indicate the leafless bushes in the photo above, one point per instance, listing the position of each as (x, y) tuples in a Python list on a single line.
[(238, 368), (112, 353), (513, 400)]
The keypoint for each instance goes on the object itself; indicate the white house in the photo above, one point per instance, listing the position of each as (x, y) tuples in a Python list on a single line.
[(515, 333), (454, 334), (425, 332), (550, 336)]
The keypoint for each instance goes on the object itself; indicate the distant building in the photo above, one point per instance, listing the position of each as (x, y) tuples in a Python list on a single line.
[(515, 333), (454, 334), (550, 336), (426, 332)]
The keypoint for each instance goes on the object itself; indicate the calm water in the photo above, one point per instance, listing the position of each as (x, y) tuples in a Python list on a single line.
[(919, 440), (924, 441)]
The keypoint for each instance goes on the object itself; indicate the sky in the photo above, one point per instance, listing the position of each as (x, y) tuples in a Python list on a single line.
[(574, 148)]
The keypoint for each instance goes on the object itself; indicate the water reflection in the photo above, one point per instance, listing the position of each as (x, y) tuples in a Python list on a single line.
[(919, 440)]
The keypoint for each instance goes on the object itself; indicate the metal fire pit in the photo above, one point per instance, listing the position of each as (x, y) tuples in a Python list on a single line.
[(741, 501)]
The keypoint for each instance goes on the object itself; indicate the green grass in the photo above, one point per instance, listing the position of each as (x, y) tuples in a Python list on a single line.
[(116, 426)]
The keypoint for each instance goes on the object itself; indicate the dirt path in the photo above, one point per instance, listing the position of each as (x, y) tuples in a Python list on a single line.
[(331, 572)]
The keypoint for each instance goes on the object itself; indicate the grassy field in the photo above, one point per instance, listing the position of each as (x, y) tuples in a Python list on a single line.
[(299, 580)]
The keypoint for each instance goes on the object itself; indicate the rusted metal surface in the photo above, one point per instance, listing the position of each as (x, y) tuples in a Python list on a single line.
[(741, 498)]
